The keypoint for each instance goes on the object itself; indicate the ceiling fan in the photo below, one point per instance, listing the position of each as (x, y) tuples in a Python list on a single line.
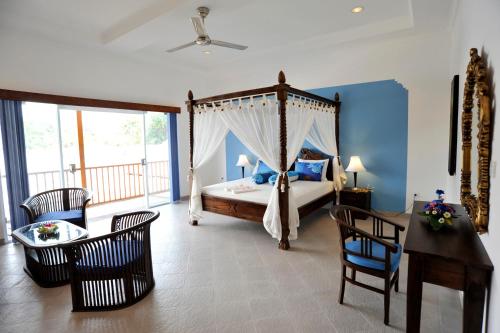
[(203, 39)]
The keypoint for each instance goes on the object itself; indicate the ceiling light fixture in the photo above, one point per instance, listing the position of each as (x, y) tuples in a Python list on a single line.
[(357, 10), (207, 51)]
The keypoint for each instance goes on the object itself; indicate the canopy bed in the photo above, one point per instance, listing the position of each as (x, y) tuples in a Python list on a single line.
[(273, 122)]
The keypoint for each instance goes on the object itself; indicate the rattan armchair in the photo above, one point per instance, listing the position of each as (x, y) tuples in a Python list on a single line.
[(66, 204), (114, 270), (377, 253)]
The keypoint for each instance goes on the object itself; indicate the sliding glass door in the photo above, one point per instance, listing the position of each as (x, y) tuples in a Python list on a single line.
[(44, 152), (114, 148), (156, 162), (117, 155)]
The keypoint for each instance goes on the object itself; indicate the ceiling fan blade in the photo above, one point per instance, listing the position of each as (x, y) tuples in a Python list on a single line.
[(181, 47), (199, 26), (230, 45)]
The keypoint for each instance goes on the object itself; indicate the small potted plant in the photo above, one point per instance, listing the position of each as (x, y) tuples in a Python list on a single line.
[(438, 213)]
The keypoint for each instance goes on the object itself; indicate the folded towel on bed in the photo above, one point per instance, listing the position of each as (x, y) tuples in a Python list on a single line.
[(240, 188)]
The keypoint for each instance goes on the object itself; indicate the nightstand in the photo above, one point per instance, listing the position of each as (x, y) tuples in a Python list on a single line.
[(360, 197)]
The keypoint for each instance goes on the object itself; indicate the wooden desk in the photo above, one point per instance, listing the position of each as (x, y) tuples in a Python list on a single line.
[(453, 258)]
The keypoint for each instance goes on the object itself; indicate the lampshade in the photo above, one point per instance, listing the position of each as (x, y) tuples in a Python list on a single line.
[(243, 161), (355, 165)]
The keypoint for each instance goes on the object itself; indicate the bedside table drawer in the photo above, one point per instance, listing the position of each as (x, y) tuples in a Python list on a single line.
[(353, 199), (356, 198)]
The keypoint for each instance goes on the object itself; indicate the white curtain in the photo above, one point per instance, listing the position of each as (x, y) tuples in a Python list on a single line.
[(322, 136), (208, 133), (256, 123)]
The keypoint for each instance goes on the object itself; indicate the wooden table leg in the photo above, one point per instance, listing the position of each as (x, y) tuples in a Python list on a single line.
[(414, 294), (474, 296)]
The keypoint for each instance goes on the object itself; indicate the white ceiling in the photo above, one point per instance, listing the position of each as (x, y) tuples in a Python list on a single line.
[(145, 29)]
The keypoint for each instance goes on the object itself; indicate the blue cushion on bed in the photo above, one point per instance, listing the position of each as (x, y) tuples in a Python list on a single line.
[(378, 251), (263, 168), (292, 176), (71, 216), (262, 178), (309, 171)]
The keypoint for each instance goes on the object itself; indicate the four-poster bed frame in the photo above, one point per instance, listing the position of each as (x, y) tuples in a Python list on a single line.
[(255, 211)]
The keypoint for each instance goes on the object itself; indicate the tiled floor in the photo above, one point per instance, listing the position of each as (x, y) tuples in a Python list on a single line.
[(226, 275)]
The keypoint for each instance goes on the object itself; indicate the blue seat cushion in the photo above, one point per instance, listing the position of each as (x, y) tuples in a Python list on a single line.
[(378, 251), (72, 216), (112, 254)]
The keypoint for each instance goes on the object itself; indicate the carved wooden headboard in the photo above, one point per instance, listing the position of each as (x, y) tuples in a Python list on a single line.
[(309, 154)]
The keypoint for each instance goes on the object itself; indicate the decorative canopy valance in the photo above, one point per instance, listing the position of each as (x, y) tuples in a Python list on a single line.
[(263, 100)]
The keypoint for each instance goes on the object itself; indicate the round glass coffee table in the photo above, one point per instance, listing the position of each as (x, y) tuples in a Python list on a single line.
[(46, 263)]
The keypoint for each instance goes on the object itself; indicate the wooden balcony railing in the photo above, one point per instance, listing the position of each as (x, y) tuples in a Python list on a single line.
[(108, 183)]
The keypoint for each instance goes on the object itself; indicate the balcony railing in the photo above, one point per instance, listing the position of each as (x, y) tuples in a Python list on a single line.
[(108, 183)]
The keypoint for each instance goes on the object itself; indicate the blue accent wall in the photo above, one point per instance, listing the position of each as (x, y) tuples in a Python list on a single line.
[(234, 148), (373, 125), (175, 193)]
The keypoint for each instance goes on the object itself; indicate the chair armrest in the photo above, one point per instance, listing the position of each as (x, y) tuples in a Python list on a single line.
[(393, 248), (82, 197), (127, 220), (86, 199), (31, 214), (30, 209), (385, 220)]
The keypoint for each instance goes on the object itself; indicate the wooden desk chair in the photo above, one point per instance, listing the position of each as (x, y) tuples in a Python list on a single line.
[(368, 253)]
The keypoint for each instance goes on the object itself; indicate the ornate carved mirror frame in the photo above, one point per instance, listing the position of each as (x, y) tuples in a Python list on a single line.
[(476, 81)]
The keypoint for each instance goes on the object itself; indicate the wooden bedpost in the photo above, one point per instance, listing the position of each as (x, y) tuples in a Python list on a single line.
[(337, 122), (190, 107), (282, 94)]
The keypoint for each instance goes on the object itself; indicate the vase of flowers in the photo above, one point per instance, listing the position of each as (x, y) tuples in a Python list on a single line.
[(47, 228), (438, 213)]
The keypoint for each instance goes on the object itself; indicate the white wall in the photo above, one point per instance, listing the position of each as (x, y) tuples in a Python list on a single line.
[(477, 25), (420, 63)]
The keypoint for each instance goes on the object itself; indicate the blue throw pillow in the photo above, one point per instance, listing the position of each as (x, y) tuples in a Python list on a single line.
[(309, 171), (292, 176), (262, 178), (263, 168)]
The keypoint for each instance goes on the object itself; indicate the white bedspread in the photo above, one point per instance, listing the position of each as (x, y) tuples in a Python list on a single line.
[(305, 191)]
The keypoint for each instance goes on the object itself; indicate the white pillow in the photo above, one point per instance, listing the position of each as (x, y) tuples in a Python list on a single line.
[(325, 166)]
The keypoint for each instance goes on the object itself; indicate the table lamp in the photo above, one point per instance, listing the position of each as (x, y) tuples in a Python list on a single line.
[(243, 162), (355, 166)]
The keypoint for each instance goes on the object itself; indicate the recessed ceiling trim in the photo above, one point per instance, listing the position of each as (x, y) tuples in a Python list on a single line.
[(138, 19)]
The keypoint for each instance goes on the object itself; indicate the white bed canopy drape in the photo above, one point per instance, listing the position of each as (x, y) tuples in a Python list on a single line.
[(208, 133), (322, 135), (256, 122)]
